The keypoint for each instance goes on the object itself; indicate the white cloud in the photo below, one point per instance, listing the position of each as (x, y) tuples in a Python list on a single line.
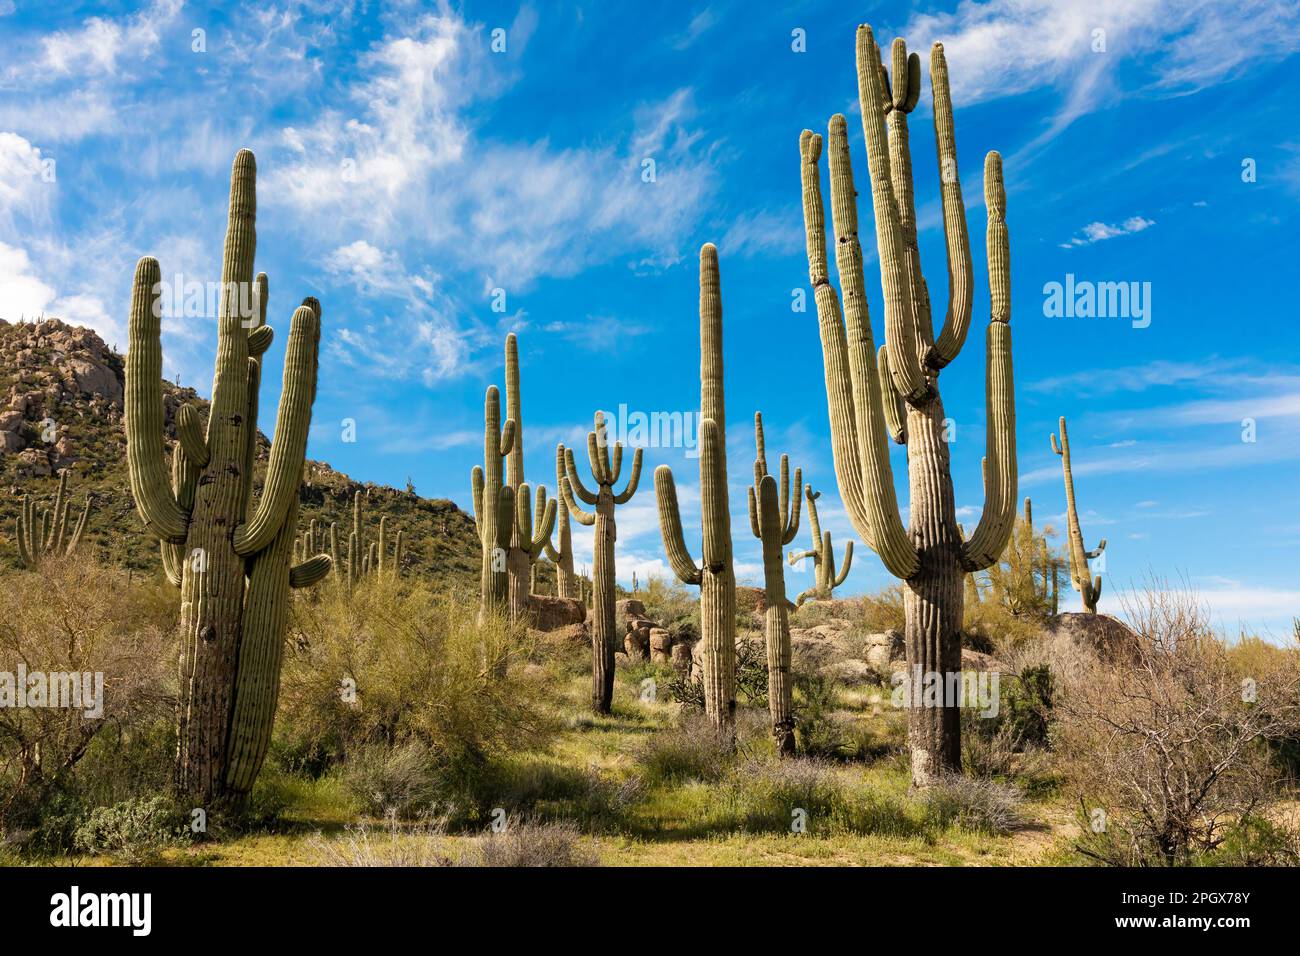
[(97, 47), (1101, 231), (22, 294)]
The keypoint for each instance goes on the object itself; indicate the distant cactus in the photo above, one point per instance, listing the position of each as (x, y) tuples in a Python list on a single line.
[(231, 553), (362, 557), (823, 555), (494, 505), (527, 540), (561, 554), (875, 396), (1088, 587), (715, 576), (774, 519), (43, 533), (606, 473)]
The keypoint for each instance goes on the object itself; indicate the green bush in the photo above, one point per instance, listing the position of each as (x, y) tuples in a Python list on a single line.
[(134, 830), (693, 749)]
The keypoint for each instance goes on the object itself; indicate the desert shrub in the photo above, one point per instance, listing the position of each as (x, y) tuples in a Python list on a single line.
[(525, 843), (671, 604), (542, 789), (1256, 841), (688, 693), (766, 797), (991, 743), (883, 611), (134, 831), (751, 672), (692, 749), (818, 731), (399, 780), (978, 804), (77, 617), (424, 671), (1171, 747)]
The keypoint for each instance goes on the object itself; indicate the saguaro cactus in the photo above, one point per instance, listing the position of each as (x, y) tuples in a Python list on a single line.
[(930, 556), (44, 533), (1088, 587), (774, 519), (525, 545), (715, 575), (232, 555), (363, 557), (827, 578), (603, 636), (566, 582), (494, 505)]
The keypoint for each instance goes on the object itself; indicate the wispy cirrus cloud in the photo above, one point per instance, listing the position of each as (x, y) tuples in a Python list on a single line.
[(1096, 232)]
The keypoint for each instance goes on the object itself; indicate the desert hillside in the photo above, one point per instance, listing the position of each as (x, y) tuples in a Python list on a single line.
[(61, 408)]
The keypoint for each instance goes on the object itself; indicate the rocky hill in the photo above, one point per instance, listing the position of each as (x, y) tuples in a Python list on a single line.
[(61, 394)]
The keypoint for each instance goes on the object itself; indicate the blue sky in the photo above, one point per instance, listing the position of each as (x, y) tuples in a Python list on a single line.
[(406, 171)]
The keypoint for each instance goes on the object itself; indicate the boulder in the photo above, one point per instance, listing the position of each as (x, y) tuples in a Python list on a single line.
[(570, 635), (852, 673), (661, 645), (636, 642), (977, 661), (885, 652), (681, 657), (629, 607), (550, 613), (1110, 639)]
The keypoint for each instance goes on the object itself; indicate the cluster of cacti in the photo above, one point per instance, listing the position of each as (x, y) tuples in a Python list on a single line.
[(43, 533), (1089, 587), (362, 557), (230, 554), (875, 396), (603, 500), (526, 541), (715, 575), (827, 578), (774, 519)]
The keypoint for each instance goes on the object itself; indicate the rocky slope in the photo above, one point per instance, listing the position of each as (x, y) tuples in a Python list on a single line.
[(61, 392)]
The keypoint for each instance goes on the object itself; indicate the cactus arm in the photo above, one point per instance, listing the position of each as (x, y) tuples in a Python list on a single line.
[(900, 330), (310, 571), (670, 528), (74, 540), (858, 439), (753, 513), (476, 482), (586, 518), (804, 596), (288, 451), (598, 456), (575, 483), (844, 568), (171, 562), (633, 480), (814, 524), (960, 268), (545, 525), (190, 435), (1001, 484), (24, 554), (144, 409), (790, 514), (259, 340), (1096, 552), (797, 556), (895, 420), (713, 496), (55, 541)]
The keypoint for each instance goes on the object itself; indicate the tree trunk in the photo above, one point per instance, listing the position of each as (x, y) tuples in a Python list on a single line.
[(933, 599)]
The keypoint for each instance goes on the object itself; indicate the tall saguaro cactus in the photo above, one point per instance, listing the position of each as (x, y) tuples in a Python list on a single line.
[(715, 575), (930, 556), (774, 520), (1088, 587), (362, 557), (233, 555), (606, 473), (827, 578), (494, 505), (43, 533), (526, 542), (561, 553)]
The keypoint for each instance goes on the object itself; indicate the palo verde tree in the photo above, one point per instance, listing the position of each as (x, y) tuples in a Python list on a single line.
[(929, 556), (232, 555)]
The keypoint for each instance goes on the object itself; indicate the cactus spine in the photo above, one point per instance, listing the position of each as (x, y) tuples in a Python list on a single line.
[(1088, 587), (774, 520), (604, 500), (566, 582), (525, 546), (232, 556), (930, 557), (494, 503), (823, 555), (43, 534), (715, 575)]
